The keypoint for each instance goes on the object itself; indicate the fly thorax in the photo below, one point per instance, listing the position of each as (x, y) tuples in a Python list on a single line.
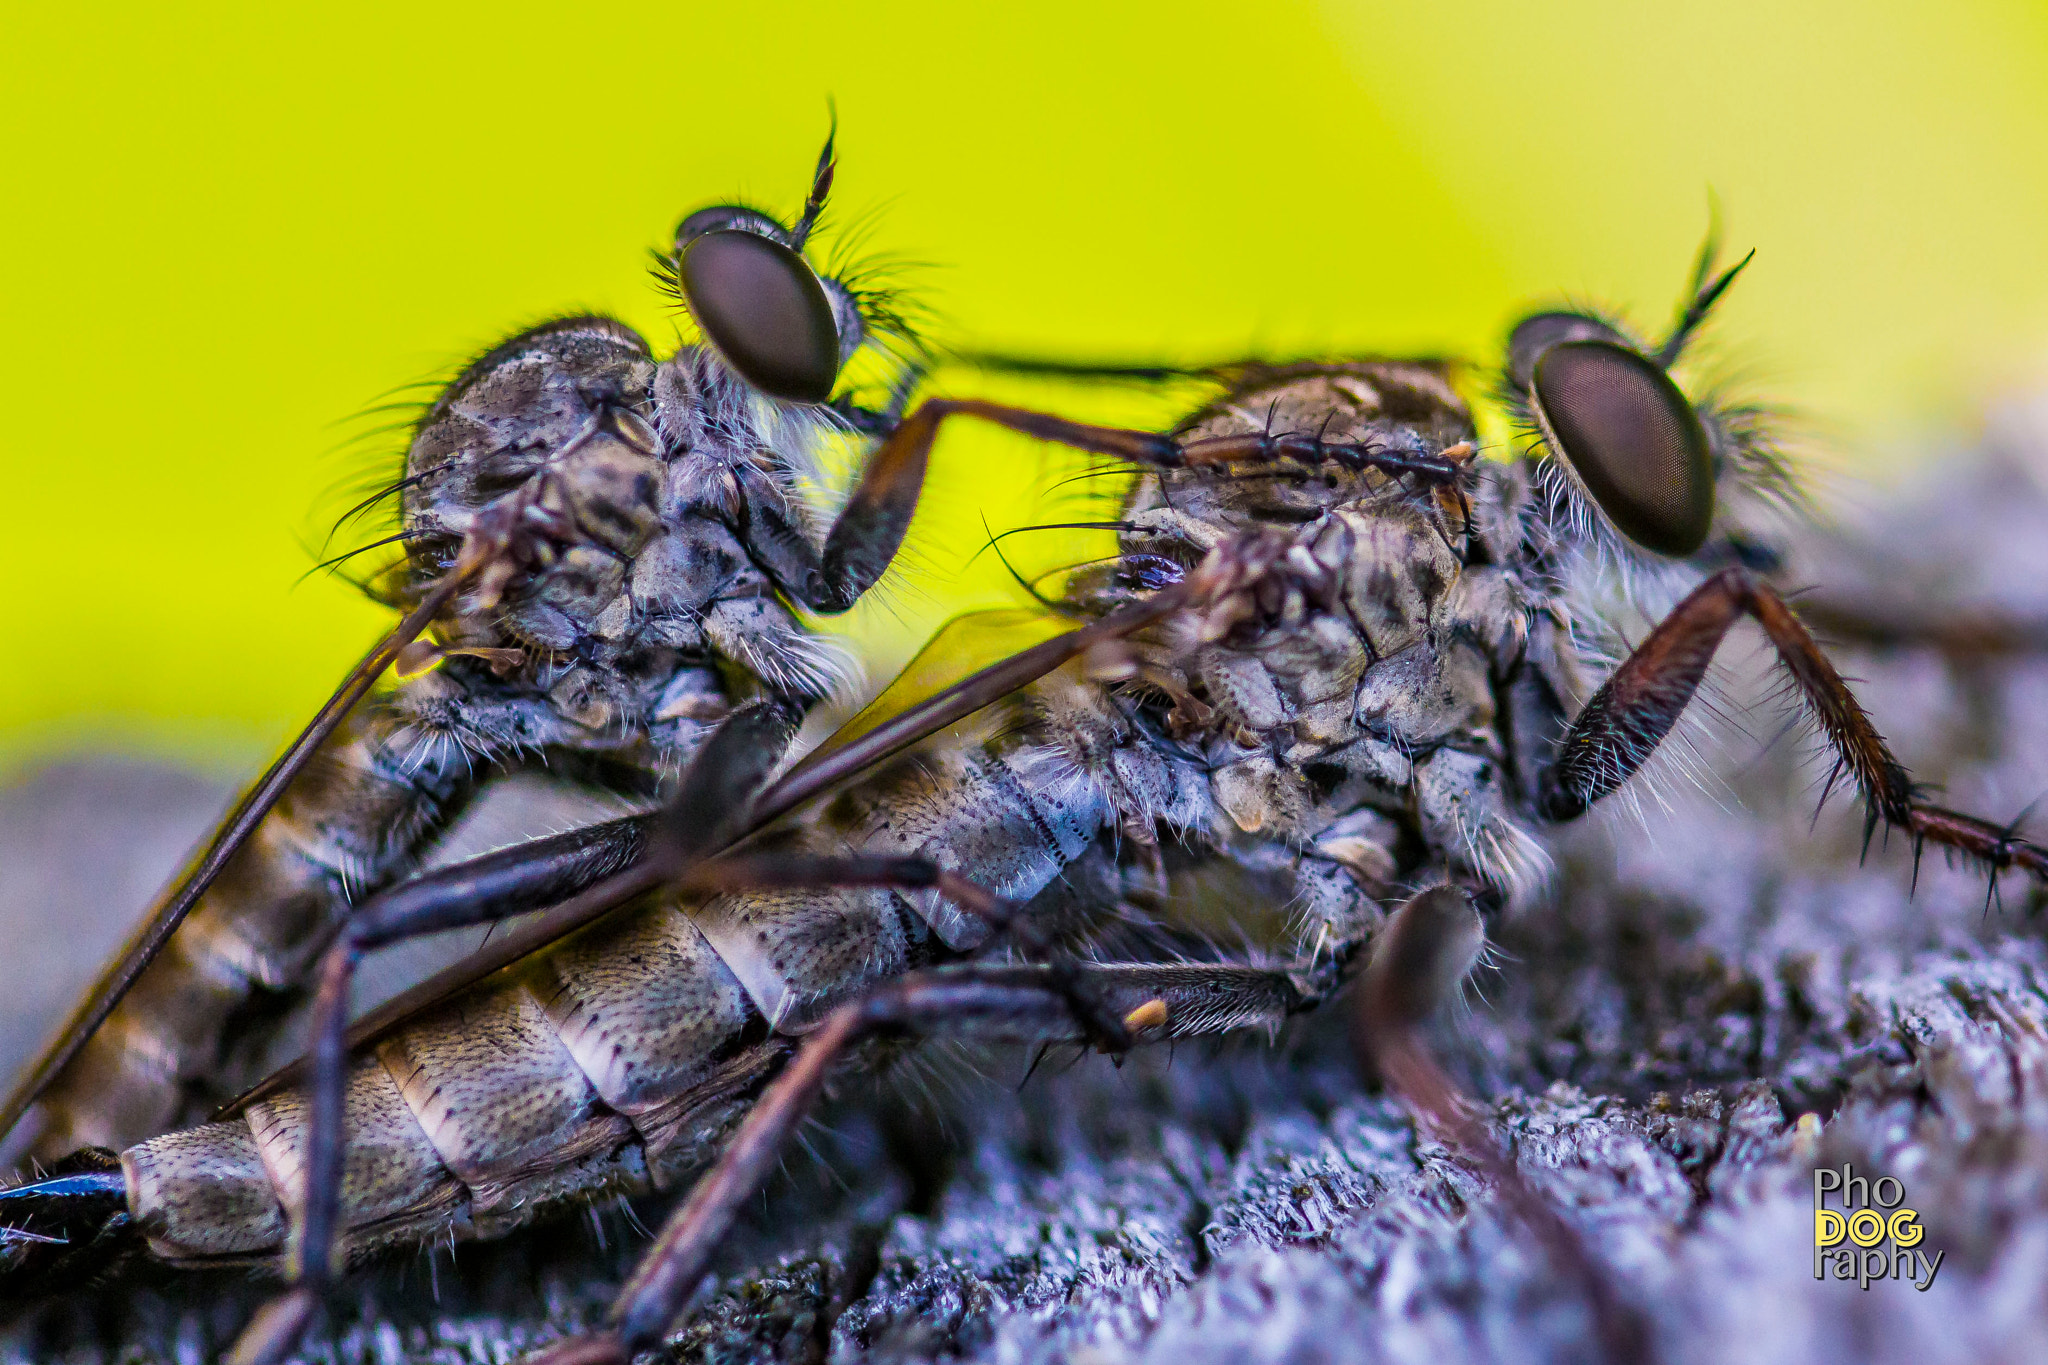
[(701, 407), (610, 491), (1388, 405), (510, 415), (1380, 708), (1397, 570), (1320, 715)]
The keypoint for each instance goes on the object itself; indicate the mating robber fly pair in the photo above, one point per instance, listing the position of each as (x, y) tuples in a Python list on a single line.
[(1338, 648)]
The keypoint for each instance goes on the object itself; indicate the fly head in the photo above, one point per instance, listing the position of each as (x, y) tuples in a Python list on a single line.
[(1607, 414), (783, 326)]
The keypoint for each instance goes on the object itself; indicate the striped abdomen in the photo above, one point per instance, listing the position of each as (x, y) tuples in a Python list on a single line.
[(353, 820), (619, 1058)]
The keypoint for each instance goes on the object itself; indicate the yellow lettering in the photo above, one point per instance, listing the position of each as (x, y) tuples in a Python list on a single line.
[(1866, 1227), (1904, 1228), (1828, 1227)]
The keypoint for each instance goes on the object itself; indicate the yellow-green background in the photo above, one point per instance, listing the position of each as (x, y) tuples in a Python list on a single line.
[(228, 229)]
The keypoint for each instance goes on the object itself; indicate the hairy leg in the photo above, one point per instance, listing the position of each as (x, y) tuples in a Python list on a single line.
[(1630, 715), (1017, 1002), (870, 528)]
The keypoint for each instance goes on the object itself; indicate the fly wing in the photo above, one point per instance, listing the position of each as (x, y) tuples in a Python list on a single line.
[(894, 722), (233, 831), (964, 646)]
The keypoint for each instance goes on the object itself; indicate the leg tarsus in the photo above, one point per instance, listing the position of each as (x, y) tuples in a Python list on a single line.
[(1642, 699), (1994, 847), (273, 1334)]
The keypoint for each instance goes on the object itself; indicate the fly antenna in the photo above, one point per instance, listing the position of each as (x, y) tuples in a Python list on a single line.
[(1703, 293), (821, 182)]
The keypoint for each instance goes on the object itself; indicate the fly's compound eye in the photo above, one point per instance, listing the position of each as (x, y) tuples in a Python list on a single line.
[(764, 309), (1533, 336), (1634, 441), (720, 217)]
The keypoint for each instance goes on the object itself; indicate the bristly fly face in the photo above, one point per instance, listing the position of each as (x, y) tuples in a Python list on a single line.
[(1395, 701), (637, 479)]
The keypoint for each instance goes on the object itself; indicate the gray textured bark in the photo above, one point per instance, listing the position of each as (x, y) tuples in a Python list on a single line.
[(1700, 978)]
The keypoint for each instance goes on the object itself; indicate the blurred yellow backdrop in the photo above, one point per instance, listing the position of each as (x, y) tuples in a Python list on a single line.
[(229, 229)]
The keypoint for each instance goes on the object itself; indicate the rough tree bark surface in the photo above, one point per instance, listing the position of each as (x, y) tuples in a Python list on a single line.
[(1716, 996)]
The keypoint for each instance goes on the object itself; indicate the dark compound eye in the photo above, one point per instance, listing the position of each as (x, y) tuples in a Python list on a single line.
[(1632, 438), (1533, 336), (765, 311), (720, 217)]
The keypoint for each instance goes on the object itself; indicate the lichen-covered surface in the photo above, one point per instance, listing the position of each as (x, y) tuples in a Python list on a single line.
[(1700, 978)]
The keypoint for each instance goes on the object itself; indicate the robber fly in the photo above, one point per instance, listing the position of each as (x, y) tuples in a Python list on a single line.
[(633, 530), (1338, 648), (599, 545)]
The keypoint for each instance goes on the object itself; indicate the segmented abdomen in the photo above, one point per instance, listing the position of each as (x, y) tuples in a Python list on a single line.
[(355, 819), (620, 1058)]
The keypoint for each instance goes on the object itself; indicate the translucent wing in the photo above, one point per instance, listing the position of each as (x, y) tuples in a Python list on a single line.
[(896, 720), (233, 831), (964, 646)]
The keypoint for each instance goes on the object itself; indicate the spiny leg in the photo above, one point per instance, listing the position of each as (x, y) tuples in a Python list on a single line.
[(870, 528), (1028, 1001), (711, 800), (1637, 706)]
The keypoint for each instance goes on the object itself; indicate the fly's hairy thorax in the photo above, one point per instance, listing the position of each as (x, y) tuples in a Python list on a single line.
[(642, 618), (1364, 724), (623, 633)]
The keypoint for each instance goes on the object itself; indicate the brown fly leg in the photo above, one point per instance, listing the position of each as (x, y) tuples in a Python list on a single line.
[(968, 998), (871, 526), (711, 800), (1139, 1001), (1060, 999), (1631, 713), (1108, 1005), (1419, 960), (1967, 636)]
